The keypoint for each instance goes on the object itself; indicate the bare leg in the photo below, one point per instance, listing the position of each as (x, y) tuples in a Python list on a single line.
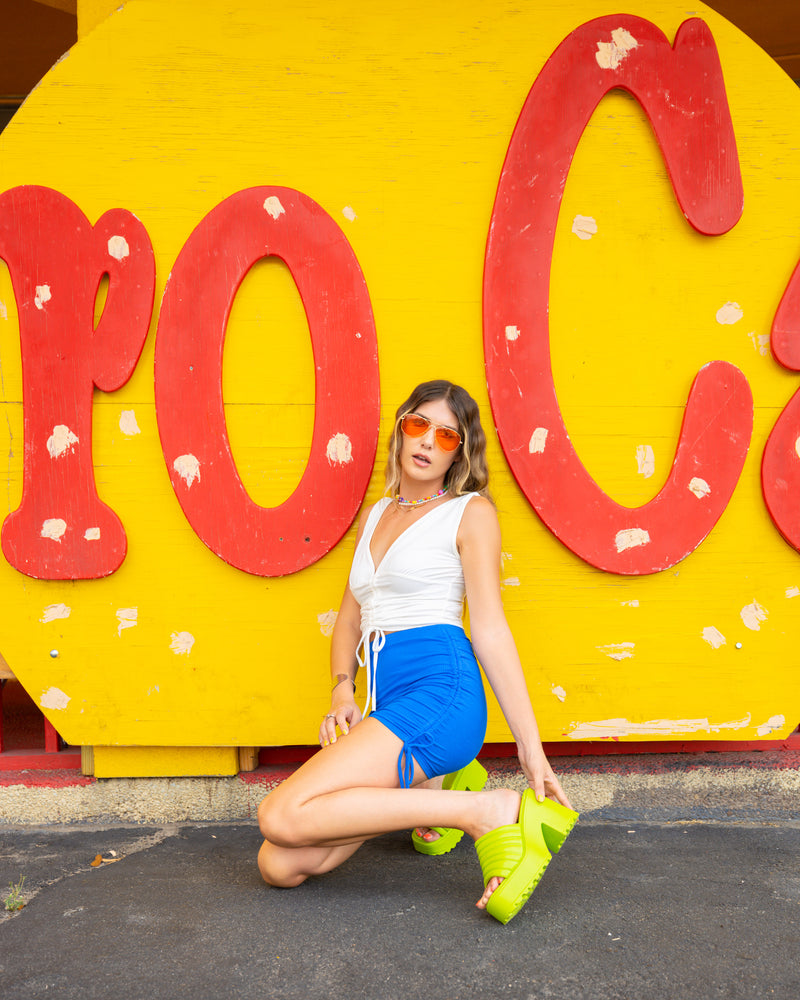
[(348, 793)]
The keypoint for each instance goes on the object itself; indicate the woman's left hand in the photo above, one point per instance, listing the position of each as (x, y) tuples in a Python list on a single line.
[(542, 779)]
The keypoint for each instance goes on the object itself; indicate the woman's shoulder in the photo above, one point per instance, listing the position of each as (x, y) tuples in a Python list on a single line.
[(479, 511)]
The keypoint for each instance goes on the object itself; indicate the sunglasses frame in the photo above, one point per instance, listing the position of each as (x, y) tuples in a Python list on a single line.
[(436, 429)]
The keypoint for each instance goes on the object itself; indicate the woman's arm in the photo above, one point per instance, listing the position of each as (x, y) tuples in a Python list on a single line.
[(479, 546), (344, 711)]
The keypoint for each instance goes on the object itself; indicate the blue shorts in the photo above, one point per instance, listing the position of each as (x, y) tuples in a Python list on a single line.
[(430, 694)]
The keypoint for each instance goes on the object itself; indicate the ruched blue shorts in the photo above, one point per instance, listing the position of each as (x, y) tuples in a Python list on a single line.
[(430, 694)]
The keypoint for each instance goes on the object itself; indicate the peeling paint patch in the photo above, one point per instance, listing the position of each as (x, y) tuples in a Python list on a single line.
[(699, 487), (54, 698), (797, 447), (584, 227), (729, 314), (618, 650), (538, 441), (512, 332), (118, 248), (349, 214), (182, 642), (645, 460), (41, 296), (511, 581), (610, 54), (772, 725), (760, 342), (53, 611), (559, 692), (188, 468), (629, 538), (327, 620), (630, 604), (793, 591), (273, 207), (92, 534), (339, 450), (53, 527), (127, 618), (127, 423), (61, 441), (753, 615), (3, 311), (713, 636), (614, 728)]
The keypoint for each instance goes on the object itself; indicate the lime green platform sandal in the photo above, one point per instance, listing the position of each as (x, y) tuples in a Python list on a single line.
[(471, 778), (520, 853)]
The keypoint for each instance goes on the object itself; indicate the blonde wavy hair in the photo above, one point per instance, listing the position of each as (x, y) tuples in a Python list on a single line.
[(469, 473)]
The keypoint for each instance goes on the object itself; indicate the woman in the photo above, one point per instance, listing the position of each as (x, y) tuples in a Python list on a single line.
[(419, 551)]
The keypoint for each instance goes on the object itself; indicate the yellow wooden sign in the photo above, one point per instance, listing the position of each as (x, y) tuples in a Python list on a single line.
[(395, 122)]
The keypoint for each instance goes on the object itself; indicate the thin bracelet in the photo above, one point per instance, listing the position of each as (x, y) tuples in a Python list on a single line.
[(340, 679)]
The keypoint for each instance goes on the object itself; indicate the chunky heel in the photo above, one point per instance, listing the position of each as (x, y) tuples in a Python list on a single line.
[(471, 778)]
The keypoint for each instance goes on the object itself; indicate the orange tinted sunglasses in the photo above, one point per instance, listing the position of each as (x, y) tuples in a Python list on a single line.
[(415, 426)]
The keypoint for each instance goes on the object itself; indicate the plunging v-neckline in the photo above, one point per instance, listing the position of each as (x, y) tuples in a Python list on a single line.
[(375, 567)]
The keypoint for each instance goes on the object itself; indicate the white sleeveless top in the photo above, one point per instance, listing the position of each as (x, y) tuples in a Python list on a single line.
[(418, 582)]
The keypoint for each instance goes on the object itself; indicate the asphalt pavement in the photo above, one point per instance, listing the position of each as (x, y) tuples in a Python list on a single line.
[(630, 908)]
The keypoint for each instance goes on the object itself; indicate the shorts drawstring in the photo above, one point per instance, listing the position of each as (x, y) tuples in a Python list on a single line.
[(371, 663)]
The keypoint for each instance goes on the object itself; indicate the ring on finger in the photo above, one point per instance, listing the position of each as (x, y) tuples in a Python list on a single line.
[(330, 715)]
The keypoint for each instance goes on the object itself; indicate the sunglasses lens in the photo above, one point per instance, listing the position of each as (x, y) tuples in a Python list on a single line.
[(446, 439), (414, 425)]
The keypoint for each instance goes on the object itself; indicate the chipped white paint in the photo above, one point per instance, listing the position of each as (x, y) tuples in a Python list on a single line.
[(729, 314), (614, 728), (584, 227), (629, 538), (53, 527), (752, 615), (610, 54), (793, 591), (618, 650), (349, 214), (797, 447), (273, 207), (645, 460), (61, 441), (54, 698), (127, 423), (327, 620), (772, 725), (511, 581), (760, 342), (182, 642), (53, 611), (559, 692), (538, 441), (339, 450), (92, 534), (188, 468), (41, 296), (630, 604), (699, 487), (127, 618), (3, 311), (713, 637), (118, 248), (512, 332)]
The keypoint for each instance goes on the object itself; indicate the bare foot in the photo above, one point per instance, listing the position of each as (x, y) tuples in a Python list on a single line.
[(501, 808)]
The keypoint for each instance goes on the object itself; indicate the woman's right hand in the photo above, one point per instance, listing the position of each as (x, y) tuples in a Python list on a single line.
[(343, 713)]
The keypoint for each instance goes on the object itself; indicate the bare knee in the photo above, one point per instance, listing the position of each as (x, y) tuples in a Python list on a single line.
[(278, 822), (272, 863)]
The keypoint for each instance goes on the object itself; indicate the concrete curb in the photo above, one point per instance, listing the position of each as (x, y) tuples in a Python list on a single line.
[(649, 788)]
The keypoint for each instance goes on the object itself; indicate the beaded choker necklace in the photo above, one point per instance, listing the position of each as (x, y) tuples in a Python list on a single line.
[(402, 502)]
